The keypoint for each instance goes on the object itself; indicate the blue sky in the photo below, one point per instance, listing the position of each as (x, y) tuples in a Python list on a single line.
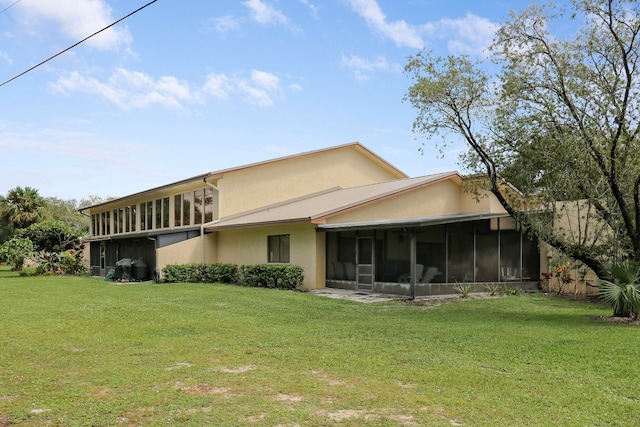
[(187, 87)]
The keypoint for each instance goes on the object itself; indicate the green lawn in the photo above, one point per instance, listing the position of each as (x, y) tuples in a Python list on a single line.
[(84, 352)]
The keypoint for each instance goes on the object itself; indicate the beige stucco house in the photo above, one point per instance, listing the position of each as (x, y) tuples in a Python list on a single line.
[(344, 214)]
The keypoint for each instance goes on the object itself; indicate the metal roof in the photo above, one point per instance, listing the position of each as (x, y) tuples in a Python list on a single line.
[(220, 173)]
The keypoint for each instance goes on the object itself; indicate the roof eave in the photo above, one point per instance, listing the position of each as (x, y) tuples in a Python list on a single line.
[(220, 227), (410, 222)]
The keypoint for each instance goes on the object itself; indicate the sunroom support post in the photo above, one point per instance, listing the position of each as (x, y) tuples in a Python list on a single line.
[(412, 261)]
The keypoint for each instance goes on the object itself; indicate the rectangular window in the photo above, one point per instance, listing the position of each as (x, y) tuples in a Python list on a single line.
[(165, 212), (143, 216), (208, 204), (149, 215), (177, 215), (186, 209), (159, 213), (115, 221), (279, 248), (134, 218), (120, 220), (197, 207), (94, 225)]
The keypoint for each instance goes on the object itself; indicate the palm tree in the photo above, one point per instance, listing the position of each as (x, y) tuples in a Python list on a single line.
[(22, 207), (623, 291)]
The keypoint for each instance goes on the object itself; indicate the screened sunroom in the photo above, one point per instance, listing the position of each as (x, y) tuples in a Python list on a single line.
[(428, 256)]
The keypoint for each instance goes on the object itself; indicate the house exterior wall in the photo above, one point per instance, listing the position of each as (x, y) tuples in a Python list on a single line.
[(576, 222), (185, 252), (245, 189), (442, 198), (249, 246)]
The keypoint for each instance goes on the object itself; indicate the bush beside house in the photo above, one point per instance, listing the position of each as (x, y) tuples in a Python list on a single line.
[(260, 275)]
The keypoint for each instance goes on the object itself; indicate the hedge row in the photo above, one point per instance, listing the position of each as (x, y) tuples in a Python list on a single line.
[(260, 275), (272, 276), (200, 273)]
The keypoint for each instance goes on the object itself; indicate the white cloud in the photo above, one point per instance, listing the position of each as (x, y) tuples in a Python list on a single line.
[(265, 13), (255, 95), (261, 88), (74, 82), (470, 34), (218, 86), (5, 57), (311, 6), (266, 80), (401, 33), (76, 19), (364, 68), (226, 24), (131, 89)]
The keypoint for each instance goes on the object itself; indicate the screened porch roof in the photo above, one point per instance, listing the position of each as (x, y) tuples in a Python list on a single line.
[(411, 222)]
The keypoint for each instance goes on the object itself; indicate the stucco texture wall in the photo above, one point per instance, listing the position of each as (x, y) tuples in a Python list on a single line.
[(249, 246), (441, 198), (245, 189), (185, 252)]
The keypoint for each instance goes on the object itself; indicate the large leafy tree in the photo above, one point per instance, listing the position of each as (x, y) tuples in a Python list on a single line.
[(560, 120), (66, 211), (56, 245), (22, 207)]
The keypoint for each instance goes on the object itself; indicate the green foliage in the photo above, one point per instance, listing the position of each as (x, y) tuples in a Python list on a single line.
[(67, 212), (200, 273), (260, 275), (514, 291), (56, 247), (52, 236), (493, 288), (558, 120), (623, 292), (272, 276), (464, 289), (22, 207), (15, 251), (84, 352)]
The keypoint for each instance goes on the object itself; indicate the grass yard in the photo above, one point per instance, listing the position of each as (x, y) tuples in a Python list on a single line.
[(84, 352)]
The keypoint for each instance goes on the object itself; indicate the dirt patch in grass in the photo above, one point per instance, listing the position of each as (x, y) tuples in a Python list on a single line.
[(330, 381), (237, 370), (618, 320), (355, 414), (290, 397), (429, 302), (180, 365), (210, 389)]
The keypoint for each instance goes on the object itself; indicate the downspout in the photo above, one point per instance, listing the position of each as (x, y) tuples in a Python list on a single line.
[(212, 222)]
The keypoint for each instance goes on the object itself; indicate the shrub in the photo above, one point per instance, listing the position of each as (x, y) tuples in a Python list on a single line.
[(493, 288), (623, 292), (272, 276), (259, 275), (463, 289), (15, 251), (200, 273)]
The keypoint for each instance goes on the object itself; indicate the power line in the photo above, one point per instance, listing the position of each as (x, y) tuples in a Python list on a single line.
[(76, 44), (10, 6)]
